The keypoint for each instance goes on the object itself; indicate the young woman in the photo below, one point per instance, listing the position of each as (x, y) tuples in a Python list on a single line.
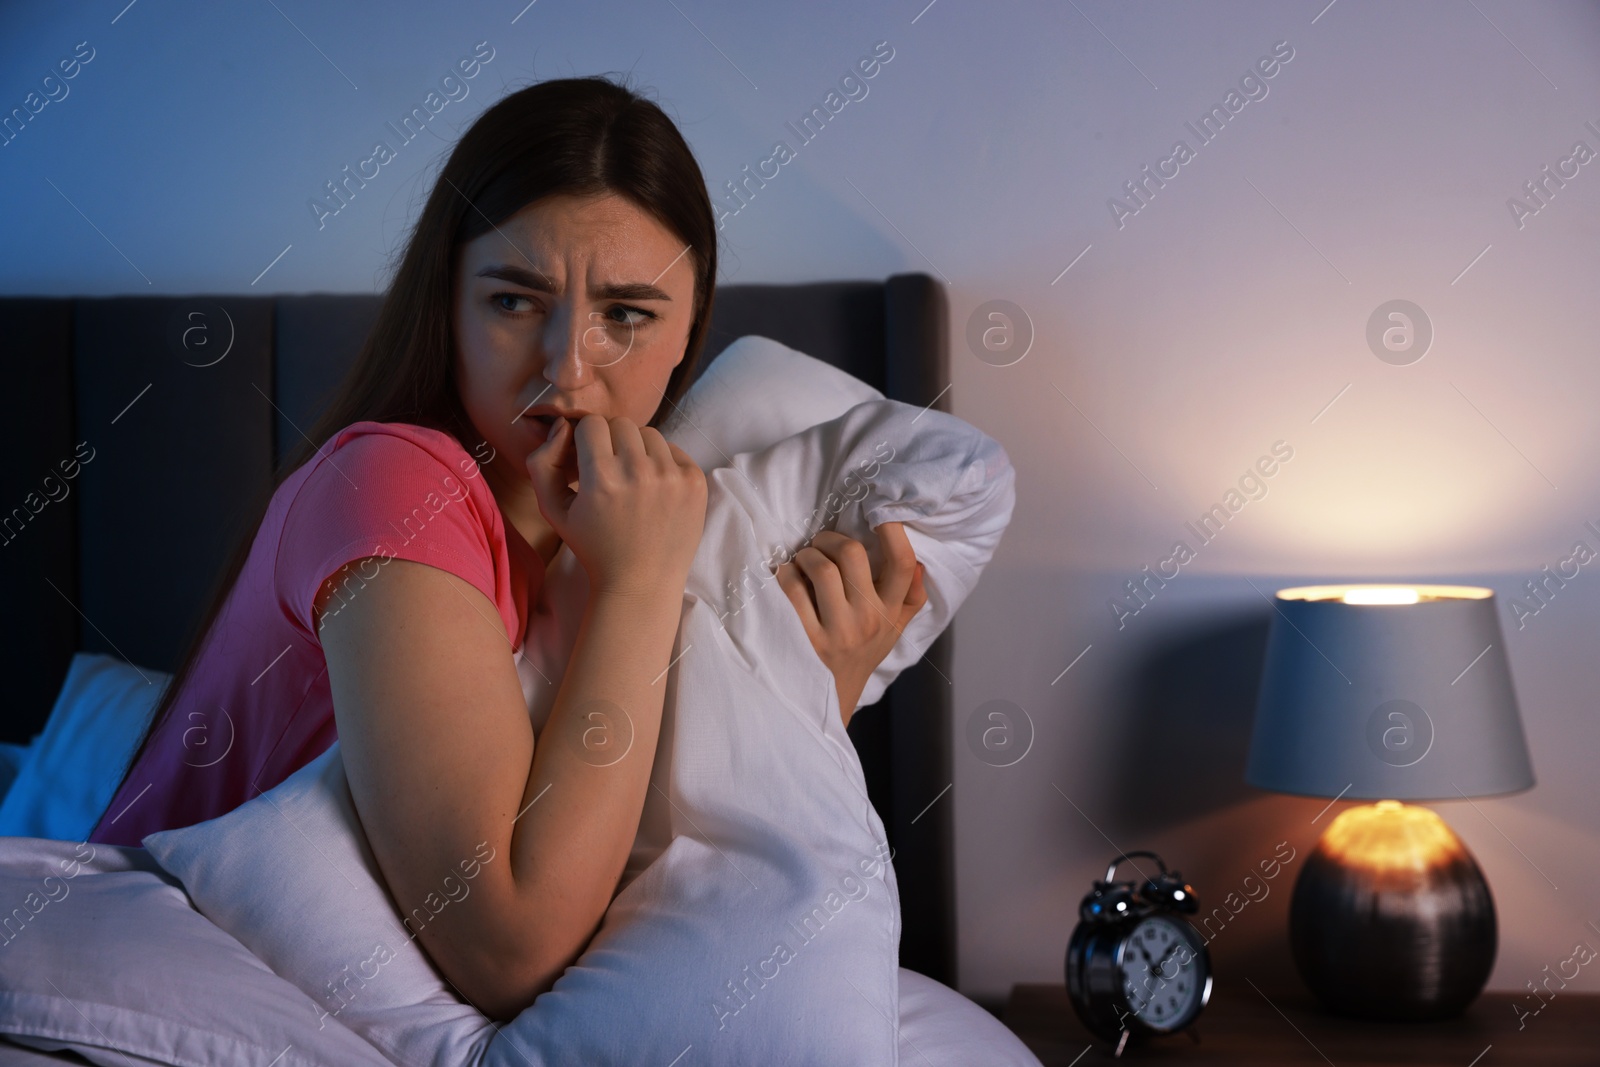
[(548, 311)]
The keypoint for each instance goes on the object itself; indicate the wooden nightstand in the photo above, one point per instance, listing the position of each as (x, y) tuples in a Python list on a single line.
[(1241, 1027)]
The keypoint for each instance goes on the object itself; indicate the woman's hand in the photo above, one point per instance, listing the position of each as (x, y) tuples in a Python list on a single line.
[(852, 620), (639, 510)]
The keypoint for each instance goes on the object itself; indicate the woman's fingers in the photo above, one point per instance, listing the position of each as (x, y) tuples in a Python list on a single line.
[(899, 563), (618, 449), (916, 596), (592, 436), (551, 467), (626, 442), (657, 447), (827, 586), (849, 556), (852, 621), (591, 442), (797, 588), (897, 594)]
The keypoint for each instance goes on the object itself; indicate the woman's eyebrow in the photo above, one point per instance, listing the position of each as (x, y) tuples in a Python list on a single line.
[(539, 282)]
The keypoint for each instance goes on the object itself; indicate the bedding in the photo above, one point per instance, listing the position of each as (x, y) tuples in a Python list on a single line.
[(758, 919), (11, 760), (754, 394), (212, 1004), (102, 954), (70, 770), (941, 1028), (17, 1056), (759, 392)]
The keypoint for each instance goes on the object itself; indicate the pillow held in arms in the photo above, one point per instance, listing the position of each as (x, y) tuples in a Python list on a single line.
[(756, 393), (761, 920)]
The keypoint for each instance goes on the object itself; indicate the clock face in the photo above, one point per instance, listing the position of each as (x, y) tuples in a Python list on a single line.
[(1162, 975)]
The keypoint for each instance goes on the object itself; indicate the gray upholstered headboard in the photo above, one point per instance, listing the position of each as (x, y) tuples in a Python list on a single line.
[(134, 449)]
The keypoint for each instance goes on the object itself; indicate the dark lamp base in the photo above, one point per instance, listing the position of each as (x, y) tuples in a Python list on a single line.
[(1391, 917)]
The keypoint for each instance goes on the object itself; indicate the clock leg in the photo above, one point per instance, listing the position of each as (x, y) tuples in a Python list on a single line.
[(1193, 1032), (1122, 1043)]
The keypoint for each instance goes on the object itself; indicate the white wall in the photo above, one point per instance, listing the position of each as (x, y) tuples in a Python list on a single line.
[(1221, 318)]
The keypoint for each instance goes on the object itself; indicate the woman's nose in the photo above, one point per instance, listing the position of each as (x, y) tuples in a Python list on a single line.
[(565, 365)]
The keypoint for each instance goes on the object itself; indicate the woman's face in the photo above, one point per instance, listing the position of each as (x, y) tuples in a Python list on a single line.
[(573, 306)]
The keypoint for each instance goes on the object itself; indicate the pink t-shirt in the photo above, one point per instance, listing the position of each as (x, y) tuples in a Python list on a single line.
[(257, 705)]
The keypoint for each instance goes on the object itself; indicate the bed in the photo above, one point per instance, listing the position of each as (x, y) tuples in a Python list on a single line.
[(186, 404)]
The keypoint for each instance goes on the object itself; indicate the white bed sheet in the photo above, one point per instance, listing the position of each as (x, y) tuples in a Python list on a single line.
[(937, 1026), (17, 1056), (102, 953)]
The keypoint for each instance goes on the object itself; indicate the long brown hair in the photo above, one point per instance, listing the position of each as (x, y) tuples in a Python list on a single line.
[(578, 136)]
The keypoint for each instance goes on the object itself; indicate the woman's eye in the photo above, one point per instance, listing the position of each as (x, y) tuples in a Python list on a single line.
[(617, 315), (630, 316), (502, 300)]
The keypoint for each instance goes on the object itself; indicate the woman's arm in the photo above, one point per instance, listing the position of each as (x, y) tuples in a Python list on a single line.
[(438, 748)]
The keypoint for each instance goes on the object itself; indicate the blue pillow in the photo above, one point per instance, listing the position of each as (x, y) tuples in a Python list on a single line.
[(11, 757), (74, 765)]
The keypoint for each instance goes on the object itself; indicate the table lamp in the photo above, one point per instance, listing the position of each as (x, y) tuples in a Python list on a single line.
[(1389, 693)]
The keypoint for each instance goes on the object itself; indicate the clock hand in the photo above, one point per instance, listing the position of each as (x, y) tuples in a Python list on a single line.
[(1160, 965)]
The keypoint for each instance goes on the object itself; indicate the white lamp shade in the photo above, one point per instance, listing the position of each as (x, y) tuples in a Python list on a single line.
[(1383, 699)]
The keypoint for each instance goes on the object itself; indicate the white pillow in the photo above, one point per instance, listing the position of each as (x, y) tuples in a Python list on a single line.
[(758, 833), (756, 392), (941, 1028), (103, 955), (753, 753), (75, 764), (290, 875)]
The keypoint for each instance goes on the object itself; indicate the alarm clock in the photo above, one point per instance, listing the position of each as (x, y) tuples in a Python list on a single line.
[(1135, 966)]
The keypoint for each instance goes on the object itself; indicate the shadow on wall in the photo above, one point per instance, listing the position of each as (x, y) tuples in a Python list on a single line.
[(1185, 726)]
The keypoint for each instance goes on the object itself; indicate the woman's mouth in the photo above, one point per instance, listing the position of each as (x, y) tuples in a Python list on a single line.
[(547, 416)]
